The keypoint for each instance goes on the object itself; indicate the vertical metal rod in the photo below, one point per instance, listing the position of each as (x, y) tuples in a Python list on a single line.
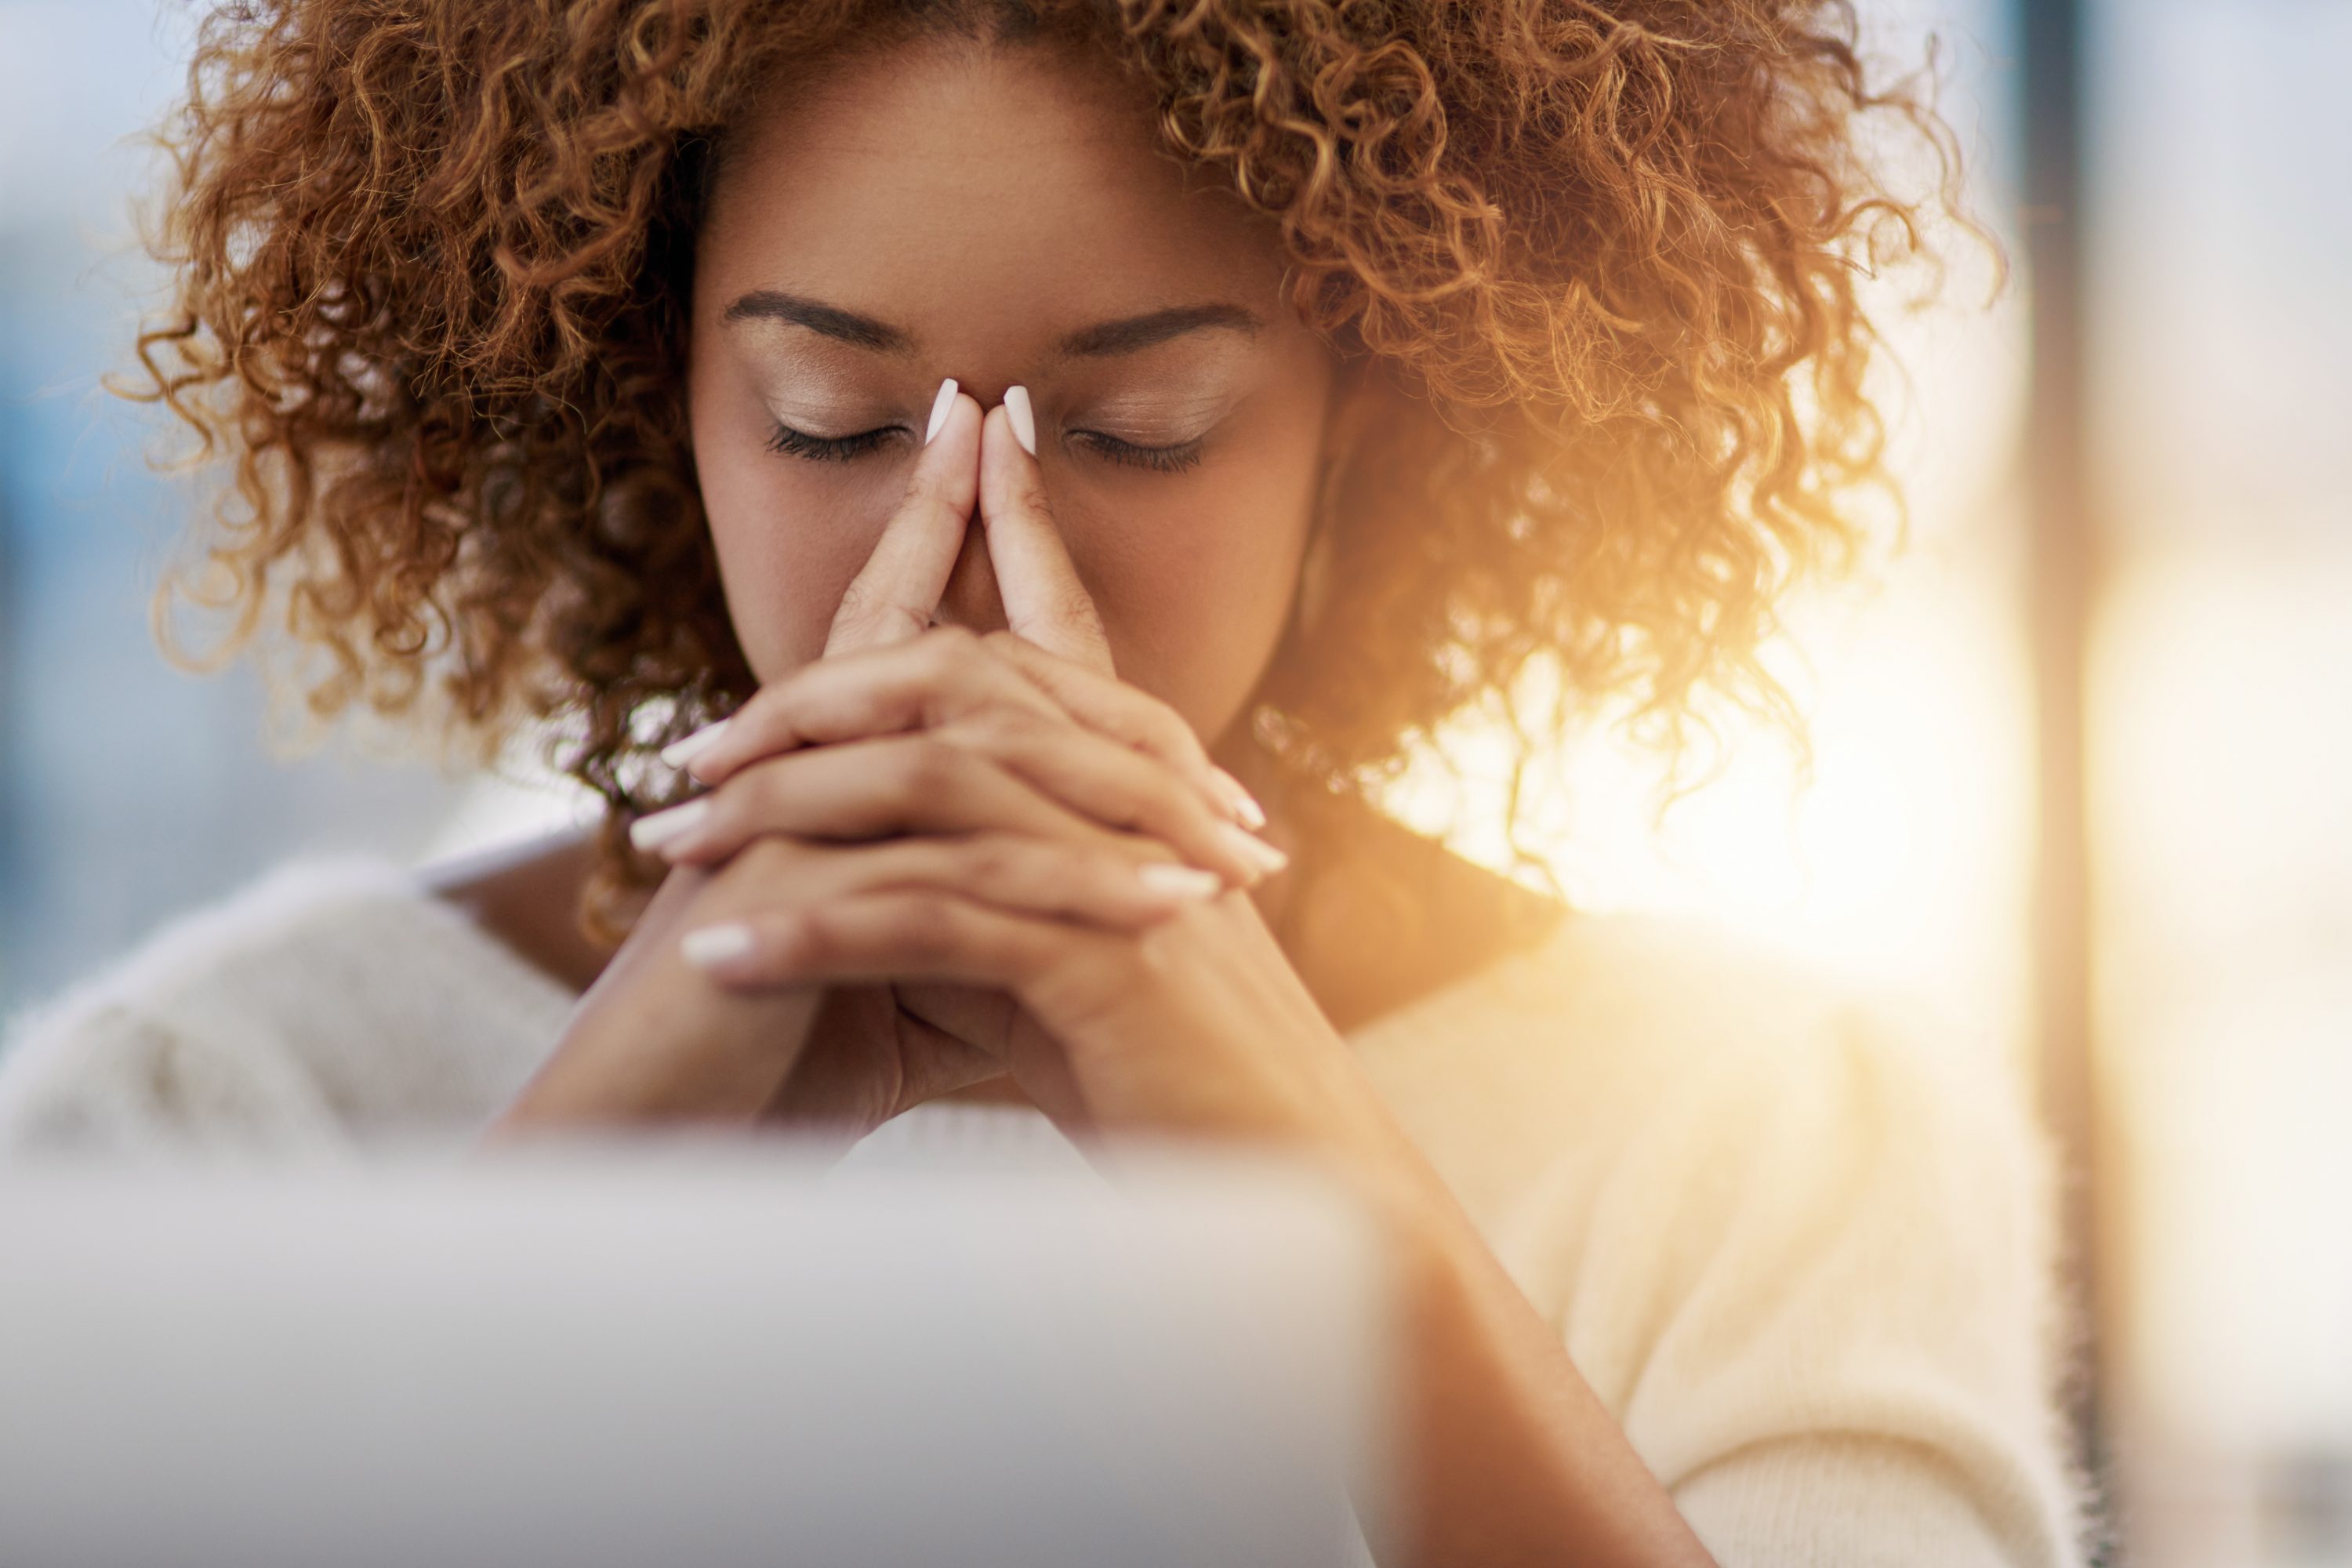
[(2062, 565)]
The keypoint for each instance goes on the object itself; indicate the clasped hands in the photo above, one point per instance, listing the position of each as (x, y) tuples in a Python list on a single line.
[(932, 856)]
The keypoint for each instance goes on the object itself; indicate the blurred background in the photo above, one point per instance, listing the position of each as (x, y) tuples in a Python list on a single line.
[(2078, 749)]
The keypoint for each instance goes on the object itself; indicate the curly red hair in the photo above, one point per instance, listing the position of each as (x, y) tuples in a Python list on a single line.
[(430, 263)]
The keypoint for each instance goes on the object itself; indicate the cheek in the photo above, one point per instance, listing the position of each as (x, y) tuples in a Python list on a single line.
[(1194, 585), (789, 537)]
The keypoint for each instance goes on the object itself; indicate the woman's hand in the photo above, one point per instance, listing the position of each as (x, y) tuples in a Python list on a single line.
[(996, 732), (653, 1040), (1194, 1021)]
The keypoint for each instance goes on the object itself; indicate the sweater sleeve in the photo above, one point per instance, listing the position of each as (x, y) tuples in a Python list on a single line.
[(104, 1077), (1814, 1290), (329, 1001)]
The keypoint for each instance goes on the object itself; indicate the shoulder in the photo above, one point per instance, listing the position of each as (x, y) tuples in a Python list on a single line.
[(327, 996), (1608, 1030), (1796, 1237), (1747, 1109), (1702, 1033), (1669, 1066)]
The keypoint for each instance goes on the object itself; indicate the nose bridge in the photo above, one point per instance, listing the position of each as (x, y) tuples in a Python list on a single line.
[(988, 353), (987, 393)]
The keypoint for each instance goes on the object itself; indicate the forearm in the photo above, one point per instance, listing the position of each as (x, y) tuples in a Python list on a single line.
[(652, 1041), (718, 1061), (1510, 1456)]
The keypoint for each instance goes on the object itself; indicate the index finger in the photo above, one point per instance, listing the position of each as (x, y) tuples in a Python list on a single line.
[(1044, 600), (1136, 718), (894, 595)]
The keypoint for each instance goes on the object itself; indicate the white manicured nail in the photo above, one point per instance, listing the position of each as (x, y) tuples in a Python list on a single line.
[(1181, 881), (1024, 418), (706, 945), (1254, 849), (1245, 804), (651, 832), (679, 752), (939, 406)]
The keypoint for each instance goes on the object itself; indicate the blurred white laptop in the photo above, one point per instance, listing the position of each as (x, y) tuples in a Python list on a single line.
[(684, 1357)]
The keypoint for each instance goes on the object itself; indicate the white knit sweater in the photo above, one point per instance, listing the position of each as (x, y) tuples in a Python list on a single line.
[(1801, 1261)]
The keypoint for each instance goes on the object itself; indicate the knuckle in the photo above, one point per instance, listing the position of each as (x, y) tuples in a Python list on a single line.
[(929, 767), (991, 861), (1133, 847), (1166, 808), (1104, 867), (857, 602), (866, 613), (1146, 724), (1067, 866), (810, 934), (1029, 494), (1074, 606), (770, 857), (728, 885), (899, 791), (1166, 727), (752, 802), (753, 871), (732, 893), (925, 927), (719, 824), (771, 712), (1008, 725), (926, 490)]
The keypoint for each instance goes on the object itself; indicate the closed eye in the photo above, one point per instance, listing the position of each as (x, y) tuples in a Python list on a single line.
[(828, 448), (1161, 459), (794, 443)]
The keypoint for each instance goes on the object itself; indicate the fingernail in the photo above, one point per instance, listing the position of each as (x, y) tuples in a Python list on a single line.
[(1179, 881), (939, 406), (1254, 849), (706, 945), (679, 752), (1245, 804), (1024, 418), (662, 827)]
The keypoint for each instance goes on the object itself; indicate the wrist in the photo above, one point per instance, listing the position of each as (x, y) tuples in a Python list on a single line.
[(1421, 1222)]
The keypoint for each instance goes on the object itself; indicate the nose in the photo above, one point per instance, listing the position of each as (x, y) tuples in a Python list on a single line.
[(971, 598)]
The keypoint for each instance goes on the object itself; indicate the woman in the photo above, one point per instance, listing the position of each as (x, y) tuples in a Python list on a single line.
[(1004, 478)]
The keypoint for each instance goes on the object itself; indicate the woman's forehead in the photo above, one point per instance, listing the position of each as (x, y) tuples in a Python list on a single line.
[(912, 186), (979, 208)]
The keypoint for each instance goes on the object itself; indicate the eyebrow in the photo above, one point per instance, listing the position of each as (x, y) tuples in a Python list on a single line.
[(1104, 339), (828, 321)]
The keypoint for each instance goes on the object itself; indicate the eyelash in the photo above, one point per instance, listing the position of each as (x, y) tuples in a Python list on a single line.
[(1159, 460), (794, 443)]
